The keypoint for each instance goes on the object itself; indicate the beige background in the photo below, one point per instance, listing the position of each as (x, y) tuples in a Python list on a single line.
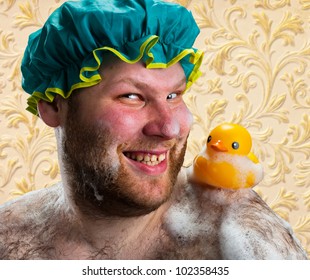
[(256, 72)]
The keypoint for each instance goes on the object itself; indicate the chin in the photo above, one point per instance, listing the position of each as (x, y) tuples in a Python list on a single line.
[(145, 195)]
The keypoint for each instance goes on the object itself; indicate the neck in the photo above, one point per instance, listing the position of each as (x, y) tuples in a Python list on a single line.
[(119, 230), (118, 236)]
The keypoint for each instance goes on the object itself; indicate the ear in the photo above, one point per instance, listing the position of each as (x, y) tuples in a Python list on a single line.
[(50, 112)]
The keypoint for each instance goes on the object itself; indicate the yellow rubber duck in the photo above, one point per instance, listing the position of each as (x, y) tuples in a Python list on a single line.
[(226, 161)]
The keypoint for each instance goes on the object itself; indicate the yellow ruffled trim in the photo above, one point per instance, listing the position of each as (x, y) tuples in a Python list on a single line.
[(196, 59)]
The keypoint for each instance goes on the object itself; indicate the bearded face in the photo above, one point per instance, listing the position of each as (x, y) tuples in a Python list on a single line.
[(122, 152), (101, 178)]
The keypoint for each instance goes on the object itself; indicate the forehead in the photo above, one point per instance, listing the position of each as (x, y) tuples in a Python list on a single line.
[(114, 70)]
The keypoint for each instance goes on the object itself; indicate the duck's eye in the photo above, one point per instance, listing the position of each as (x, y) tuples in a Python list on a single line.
[(209, 138), (235, 145)]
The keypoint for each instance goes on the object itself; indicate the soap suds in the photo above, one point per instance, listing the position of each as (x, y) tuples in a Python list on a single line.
[(239, 243), (184, 219), (242, 163)]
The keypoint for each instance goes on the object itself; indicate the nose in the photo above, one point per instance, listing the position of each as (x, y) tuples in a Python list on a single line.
[(163, 123)]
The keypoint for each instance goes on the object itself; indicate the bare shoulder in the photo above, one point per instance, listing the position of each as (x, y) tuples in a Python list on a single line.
[(251, 230), (25, 220), (226, 224)]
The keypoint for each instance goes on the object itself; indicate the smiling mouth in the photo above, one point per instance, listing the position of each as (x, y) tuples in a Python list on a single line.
[(146, 158)]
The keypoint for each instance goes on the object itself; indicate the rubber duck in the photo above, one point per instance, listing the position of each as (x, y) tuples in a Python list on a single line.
[(226, 160)]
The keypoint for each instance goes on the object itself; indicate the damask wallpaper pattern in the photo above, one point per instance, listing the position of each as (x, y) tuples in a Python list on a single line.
[(255, 72)]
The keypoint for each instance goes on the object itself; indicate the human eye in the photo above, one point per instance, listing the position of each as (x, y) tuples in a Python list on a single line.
[(172, 96), (175, 97), (131, 99), (131, 96)]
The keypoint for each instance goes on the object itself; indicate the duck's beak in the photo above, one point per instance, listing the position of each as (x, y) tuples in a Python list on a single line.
[(219, 146)]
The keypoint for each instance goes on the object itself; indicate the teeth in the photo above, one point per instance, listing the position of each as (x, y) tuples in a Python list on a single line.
[(147, 159), (140, 157), (161, 157)]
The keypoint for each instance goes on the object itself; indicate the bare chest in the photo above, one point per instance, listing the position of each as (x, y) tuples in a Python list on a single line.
[(160, 245)]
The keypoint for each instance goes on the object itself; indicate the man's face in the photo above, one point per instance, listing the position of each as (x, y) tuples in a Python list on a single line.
[(125, 139)]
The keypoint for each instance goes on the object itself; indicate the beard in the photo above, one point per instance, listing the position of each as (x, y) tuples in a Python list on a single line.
[(101, 183)]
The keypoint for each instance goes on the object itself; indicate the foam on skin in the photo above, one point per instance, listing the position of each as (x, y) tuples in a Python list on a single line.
[(184, 219), (230, 224)]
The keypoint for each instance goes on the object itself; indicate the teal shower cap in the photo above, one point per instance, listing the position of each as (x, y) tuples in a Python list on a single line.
[(66, 53)]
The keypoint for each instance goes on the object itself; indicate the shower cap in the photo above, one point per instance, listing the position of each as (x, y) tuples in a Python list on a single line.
[(66, 53)]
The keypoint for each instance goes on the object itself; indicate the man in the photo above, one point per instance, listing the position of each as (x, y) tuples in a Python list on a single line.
[(109, 75)]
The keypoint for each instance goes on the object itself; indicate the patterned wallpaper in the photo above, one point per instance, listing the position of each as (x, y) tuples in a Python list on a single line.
[(255, 72)]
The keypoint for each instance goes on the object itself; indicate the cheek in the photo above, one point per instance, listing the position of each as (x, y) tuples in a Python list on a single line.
[(120, 124), (185, 119)]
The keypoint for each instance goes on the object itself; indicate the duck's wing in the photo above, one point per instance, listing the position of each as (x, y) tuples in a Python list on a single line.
[(252, 157)]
